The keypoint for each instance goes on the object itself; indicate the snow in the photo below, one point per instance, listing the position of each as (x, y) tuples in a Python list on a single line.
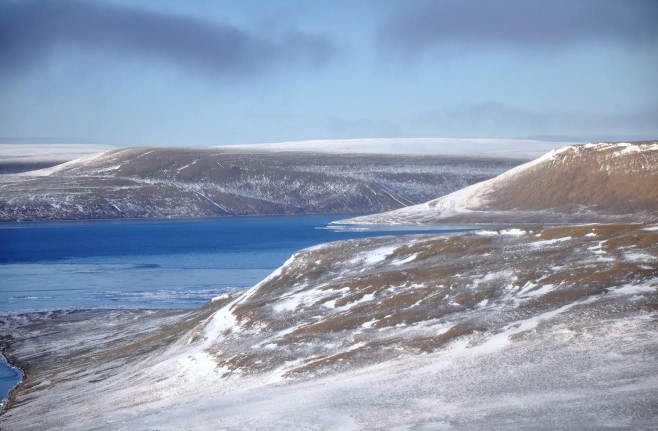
[(550, 241), (276, 273), (12, 152), (639, 257), (598, 248), (513, 232), (330, 304), (531, 361), (197, 366), (635, 289), (372, 257), (526, 293), (638, 148), (289, 303), (502, 339), (222, 320), (504, 274), (486, 232), (405, 260), (220, 297), (503, 148), (305, 297), (365, 298)]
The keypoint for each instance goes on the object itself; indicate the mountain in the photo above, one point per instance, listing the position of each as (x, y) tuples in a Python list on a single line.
[(523, 328), (580, 183), (211, 182)]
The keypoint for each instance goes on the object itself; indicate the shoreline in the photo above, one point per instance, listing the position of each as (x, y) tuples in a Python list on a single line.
[(179, 219), (7, 402), (25, 368)]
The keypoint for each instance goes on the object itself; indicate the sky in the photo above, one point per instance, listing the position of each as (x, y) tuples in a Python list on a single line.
[(212, 72)]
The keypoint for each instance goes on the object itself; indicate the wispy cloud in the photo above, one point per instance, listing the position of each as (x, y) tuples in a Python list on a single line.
[(518, 23), (31, 31)]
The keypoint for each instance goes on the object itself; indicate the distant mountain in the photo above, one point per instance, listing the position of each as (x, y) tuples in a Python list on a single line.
[(211, 182), (17, 156), (580, 183), (498, 148)]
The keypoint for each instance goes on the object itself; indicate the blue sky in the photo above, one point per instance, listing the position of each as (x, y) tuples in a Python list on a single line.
[(146, 72)]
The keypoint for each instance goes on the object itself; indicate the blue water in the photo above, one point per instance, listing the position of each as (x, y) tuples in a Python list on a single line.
[(149, 264), (9, 378)]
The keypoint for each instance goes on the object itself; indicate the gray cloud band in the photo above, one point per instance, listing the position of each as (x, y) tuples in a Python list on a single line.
[(32, 30), (519, 23)]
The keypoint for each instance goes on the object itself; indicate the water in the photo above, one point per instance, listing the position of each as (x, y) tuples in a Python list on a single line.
[(149, 264), (9, 378)]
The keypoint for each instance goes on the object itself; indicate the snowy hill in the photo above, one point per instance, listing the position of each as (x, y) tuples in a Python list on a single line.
[(23, 157), (211, 182), (494, 329), (576, 183), (496, 148), (53, 152)]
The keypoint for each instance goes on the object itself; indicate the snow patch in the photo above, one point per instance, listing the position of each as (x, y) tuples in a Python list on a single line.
[(372, 257), (513, 232), (550, 241), (638, 257), (405, 260), (635, 289), (222, 320)]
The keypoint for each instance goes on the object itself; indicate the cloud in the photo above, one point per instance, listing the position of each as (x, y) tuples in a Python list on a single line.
[(32, 31), (519, 23)]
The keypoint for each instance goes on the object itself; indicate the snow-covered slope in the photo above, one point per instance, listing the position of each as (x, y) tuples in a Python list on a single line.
[(575, 183), (18, 152), (22, 157), (505, 148), (200, 182), (524, 328)]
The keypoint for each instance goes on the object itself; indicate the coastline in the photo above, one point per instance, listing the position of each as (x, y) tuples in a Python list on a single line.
[(6, 403), (139, 331), (185, 361), (182, 218)]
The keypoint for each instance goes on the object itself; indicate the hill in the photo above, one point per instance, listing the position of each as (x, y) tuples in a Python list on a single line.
[(581, 183), (529, 328), (212, 182), (492, 148)]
